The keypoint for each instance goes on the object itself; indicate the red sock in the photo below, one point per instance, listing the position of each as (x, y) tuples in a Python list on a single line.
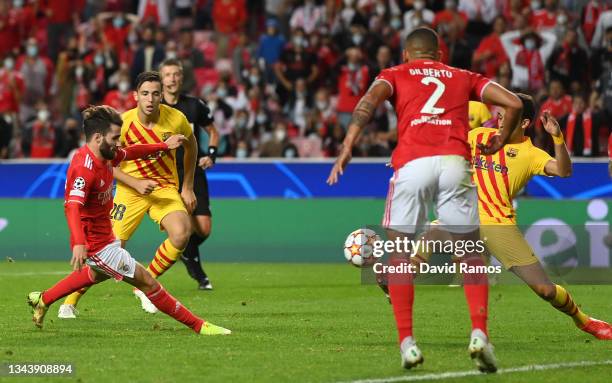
[(476, 288), (401, 292), (169, 305), (73, 282)]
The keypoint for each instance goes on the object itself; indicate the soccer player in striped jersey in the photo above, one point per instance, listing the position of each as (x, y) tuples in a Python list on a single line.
[(96, 253), (499, 178), (151, 122)]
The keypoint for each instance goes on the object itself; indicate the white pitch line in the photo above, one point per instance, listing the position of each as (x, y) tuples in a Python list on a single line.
[(461, 374), (32, 274)]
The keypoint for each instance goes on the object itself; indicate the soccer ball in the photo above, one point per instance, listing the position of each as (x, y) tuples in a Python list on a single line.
[(359, 247)]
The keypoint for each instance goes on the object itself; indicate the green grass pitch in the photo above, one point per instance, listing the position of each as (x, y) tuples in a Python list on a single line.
[(291, 323)]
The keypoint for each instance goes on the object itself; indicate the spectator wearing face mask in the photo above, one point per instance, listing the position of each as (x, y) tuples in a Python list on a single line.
[(295, 62), (279, 145), (300, 104), (43, 135), (116, 29), (418, 16), (103, 64), (358, 36), (242, 149), (324, 112), (121, 98), (353, 80), (11, 89), (37, 72), (528, 51)]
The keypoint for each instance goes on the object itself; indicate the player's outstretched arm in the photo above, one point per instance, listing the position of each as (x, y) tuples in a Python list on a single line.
[(376, 95), (561, 166), (498, 95)]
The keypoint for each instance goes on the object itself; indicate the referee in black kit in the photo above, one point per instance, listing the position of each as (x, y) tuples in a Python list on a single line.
[(200, 117)]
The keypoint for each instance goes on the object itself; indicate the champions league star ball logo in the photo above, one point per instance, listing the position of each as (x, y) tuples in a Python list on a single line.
[(79, 183)]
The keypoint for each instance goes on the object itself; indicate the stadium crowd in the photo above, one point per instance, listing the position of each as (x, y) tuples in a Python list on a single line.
[(282, 77)]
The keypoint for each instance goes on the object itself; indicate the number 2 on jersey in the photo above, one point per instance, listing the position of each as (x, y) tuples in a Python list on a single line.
[(430, 105)]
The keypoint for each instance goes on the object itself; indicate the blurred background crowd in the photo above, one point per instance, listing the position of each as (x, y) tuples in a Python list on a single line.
[(282, 77)]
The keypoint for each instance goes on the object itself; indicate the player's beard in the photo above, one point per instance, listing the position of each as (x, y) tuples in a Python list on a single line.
[(107, 151)]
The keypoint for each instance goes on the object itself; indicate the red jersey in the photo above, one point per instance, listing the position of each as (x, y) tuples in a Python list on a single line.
[(10, 80), (89, 182), (121, 103), (558, 108), (542, 19), (431, 102)]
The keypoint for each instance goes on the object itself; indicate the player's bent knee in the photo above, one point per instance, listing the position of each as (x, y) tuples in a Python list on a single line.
[(202, 226)]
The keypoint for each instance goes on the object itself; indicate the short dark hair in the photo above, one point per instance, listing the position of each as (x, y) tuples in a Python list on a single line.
[(151, 76), (171, 62), (426, 37), (528, 107), (98, 119)]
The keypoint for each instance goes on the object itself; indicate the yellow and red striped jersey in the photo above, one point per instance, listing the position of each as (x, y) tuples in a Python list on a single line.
[(161, 166), (501, 175)]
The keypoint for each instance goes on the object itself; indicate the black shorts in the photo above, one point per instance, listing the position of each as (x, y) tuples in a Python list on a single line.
[(200, 188)]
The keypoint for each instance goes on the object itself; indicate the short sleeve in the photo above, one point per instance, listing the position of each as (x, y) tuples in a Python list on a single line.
[(204, 114), (539, 159), (79, 183), (478, 83), (184, 127), (388, 76)]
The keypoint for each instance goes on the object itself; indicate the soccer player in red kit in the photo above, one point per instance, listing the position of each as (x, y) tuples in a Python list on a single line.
[(431, 163), (96, 253)]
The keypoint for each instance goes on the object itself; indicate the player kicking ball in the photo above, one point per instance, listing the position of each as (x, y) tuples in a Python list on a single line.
[(431, 163), (96, 253), (149, 123)]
